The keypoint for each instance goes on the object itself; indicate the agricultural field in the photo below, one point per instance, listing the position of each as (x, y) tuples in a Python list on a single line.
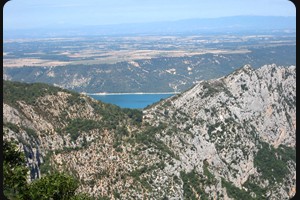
[(110, 50)]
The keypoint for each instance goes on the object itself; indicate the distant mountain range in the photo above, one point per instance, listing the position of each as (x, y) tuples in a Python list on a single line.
[(232, 24)]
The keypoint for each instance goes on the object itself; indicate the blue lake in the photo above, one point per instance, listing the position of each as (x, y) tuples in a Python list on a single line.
[(131, 100)]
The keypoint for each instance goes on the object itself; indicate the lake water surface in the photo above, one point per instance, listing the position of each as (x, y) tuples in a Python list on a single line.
[(131, 100)]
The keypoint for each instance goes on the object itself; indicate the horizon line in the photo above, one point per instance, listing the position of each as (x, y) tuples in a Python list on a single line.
[(148, 22)]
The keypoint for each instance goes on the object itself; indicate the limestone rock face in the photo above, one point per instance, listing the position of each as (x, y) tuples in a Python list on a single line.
[(228, 138), (224, 120)]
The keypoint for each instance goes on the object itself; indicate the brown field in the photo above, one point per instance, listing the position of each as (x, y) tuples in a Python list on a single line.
[(21, 62), (110, 50), (101, 57)]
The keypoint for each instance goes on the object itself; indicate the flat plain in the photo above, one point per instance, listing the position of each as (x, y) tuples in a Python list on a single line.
[(113, 49)]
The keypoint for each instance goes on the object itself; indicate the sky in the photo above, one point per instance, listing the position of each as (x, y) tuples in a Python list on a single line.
[(28, 14)]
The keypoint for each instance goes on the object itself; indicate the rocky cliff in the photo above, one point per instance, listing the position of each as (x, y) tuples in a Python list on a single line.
[(228, 138)]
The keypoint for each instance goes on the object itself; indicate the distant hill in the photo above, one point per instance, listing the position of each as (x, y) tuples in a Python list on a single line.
[(165, 74), (232, 24)]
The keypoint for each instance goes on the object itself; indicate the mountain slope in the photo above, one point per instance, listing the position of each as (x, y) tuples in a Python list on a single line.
[(229, 138), (165, 74), (231, 122)]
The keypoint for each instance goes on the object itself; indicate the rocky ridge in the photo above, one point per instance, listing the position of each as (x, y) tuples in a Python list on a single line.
[(163, 74), (226, 120), (228, 138)]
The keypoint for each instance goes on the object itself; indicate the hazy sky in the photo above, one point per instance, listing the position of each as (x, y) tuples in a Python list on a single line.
[(20, 14)]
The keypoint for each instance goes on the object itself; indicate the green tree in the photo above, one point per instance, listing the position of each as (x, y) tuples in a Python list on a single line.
[(14, 172), (55, 186)]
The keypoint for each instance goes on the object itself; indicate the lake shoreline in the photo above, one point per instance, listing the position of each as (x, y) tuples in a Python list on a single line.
[(137, 93), (131, 100)]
